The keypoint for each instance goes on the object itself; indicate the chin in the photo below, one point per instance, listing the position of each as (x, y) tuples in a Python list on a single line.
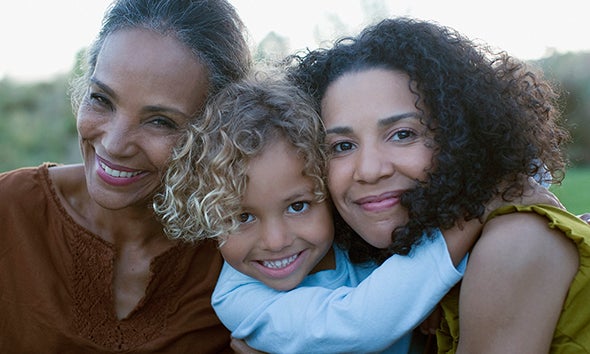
[(380, 244), (377, 238)]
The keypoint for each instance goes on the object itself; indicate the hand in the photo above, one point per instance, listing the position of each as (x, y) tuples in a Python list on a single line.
[(239, 346), (533, 193), (461, 238), (432, 322), (585, 217)]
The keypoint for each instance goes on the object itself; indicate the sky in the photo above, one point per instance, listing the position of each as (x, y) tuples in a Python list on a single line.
[(40, 38)]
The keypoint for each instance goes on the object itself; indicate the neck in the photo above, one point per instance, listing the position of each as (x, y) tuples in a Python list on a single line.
[(132, 225), (326, 263)]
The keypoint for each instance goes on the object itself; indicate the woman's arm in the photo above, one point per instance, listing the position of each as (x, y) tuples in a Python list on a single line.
[(513, 291)]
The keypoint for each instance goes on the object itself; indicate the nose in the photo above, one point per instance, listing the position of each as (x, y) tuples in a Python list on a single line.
[(373, 164), (118, 138), (275, 236)]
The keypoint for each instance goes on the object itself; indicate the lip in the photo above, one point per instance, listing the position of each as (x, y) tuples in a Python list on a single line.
[(283, 271), (381, 202), (117, 175)]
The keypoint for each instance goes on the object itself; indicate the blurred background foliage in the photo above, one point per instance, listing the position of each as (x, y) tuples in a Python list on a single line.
[(37, 123), (571, 72)]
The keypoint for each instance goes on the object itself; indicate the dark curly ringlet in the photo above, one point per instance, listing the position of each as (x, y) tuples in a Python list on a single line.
[(211, 29), (207, 176), (494, 119)]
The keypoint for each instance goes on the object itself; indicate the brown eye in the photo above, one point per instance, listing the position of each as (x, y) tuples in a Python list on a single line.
[(246, 218), (298, 207), (99, 100), (403, 134), (342, 146)]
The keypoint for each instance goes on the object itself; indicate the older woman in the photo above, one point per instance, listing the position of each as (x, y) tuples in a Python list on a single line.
[(84, 264)]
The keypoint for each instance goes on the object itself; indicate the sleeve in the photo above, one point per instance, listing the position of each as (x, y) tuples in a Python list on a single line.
[(389, 303)]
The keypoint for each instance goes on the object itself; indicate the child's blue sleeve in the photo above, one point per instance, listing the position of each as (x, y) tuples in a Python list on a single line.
[(395, 298)]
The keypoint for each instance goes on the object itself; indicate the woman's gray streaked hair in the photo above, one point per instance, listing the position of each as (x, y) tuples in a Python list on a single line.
[(211, 29)]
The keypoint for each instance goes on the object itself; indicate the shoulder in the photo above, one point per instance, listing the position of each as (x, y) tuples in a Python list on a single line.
[(21, 173), (67, 175), (21, 182), (524, 239), (516, 282), (26, 199), (523, 262)]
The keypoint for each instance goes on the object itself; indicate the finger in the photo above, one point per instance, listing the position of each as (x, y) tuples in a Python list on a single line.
[(585, 217)]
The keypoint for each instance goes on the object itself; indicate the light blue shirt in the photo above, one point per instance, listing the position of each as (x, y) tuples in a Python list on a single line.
[(351, 309)]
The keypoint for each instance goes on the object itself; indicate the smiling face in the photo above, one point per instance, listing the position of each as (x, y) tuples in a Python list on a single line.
[(143, 92), (285, 232), (378, 149)]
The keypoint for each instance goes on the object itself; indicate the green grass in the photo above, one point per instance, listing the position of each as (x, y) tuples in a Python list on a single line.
[(574, 192)]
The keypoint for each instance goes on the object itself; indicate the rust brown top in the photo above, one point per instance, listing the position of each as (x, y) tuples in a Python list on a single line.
[(56, 280)]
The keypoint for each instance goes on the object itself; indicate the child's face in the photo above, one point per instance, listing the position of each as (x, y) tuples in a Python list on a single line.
[(284, 231)]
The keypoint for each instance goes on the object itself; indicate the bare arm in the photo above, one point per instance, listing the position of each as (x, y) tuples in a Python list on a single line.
[(461, 238), (239, 346), (514, 287)]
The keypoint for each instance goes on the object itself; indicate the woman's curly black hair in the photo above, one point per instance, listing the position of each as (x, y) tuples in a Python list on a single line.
[(494, 120)]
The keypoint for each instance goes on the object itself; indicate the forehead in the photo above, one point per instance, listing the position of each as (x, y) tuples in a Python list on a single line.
[(157, 65), (279, 167), (276, 152), (375, 93)]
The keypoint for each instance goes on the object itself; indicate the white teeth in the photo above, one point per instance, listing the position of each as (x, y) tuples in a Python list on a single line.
[(116, 173), (281, 263)]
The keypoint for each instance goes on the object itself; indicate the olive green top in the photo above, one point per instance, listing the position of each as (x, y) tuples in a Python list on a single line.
[(572, 334)]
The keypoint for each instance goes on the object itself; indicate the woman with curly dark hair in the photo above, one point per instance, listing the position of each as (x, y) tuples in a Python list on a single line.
[(251, 175), (406, 155), (425, 127)]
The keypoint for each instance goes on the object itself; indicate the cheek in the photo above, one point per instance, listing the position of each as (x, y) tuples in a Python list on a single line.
[(82, 122), (89, 122), (426, 158), (337, 178), (233, 251), (415, 163), (321, 229), (159, 148), (162, 152)]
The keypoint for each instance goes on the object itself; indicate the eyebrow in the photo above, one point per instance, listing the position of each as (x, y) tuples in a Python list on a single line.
[(297, 196), (390, 120), (381, 123), (103, 86), (151, 108)]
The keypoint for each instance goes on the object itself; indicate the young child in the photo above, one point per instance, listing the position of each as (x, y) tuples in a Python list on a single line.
[(251, 174)]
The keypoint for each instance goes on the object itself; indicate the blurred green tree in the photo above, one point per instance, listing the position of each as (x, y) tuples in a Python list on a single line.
[(37, 123), (572, 73)]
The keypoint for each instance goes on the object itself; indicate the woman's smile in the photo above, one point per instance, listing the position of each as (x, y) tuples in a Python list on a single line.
[(117, 175), (379, 203)]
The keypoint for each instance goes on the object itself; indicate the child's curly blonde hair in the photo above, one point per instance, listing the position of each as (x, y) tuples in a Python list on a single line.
[(206, 178)]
